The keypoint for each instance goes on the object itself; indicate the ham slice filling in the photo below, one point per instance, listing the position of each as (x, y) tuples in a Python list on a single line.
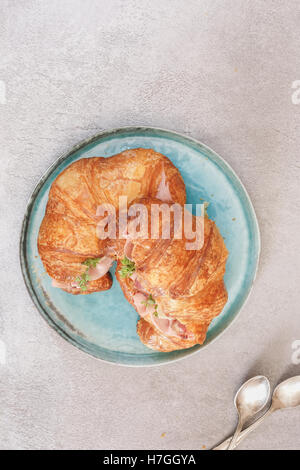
[(101, 269), (94, 273), (167, 326), (143, 309), (128, 248)]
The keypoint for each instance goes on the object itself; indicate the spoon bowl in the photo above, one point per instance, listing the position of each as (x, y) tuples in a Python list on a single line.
[(251, 398), (287, 394)]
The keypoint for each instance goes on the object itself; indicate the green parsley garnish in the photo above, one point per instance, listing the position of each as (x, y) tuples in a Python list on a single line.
[(91, 262), (128, 267), (151, 301), (84, 278)]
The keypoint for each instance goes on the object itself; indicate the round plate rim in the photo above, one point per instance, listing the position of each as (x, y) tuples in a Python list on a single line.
[(44, 177)]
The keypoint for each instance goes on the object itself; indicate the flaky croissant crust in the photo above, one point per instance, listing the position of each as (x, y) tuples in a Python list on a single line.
[(188, 286), (68, 235)]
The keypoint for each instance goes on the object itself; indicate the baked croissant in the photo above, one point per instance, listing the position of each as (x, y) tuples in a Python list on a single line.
[(68, 233), (177, 292)]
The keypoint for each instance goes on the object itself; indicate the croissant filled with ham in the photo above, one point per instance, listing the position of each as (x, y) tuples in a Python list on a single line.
[(176, 291)]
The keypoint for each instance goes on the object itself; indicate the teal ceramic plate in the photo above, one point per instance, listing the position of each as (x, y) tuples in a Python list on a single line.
[(103, 324)]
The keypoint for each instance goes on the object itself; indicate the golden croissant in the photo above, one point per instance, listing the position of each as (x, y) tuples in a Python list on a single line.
[(177, 292)]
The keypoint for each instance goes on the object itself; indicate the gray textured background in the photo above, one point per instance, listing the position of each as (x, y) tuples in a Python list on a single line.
[(220, 71)]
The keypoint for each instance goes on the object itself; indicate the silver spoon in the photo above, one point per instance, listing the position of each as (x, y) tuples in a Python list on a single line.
[(251, 398), (285, 395)]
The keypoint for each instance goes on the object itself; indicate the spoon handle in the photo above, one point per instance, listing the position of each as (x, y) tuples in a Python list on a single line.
[(236, 434), (228, 442)]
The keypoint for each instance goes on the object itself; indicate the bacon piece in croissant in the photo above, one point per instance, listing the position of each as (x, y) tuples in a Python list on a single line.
[(67, 235), (186, 286)]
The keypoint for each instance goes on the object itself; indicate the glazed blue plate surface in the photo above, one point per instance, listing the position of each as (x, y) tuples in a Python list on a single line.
[(103, 324)]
